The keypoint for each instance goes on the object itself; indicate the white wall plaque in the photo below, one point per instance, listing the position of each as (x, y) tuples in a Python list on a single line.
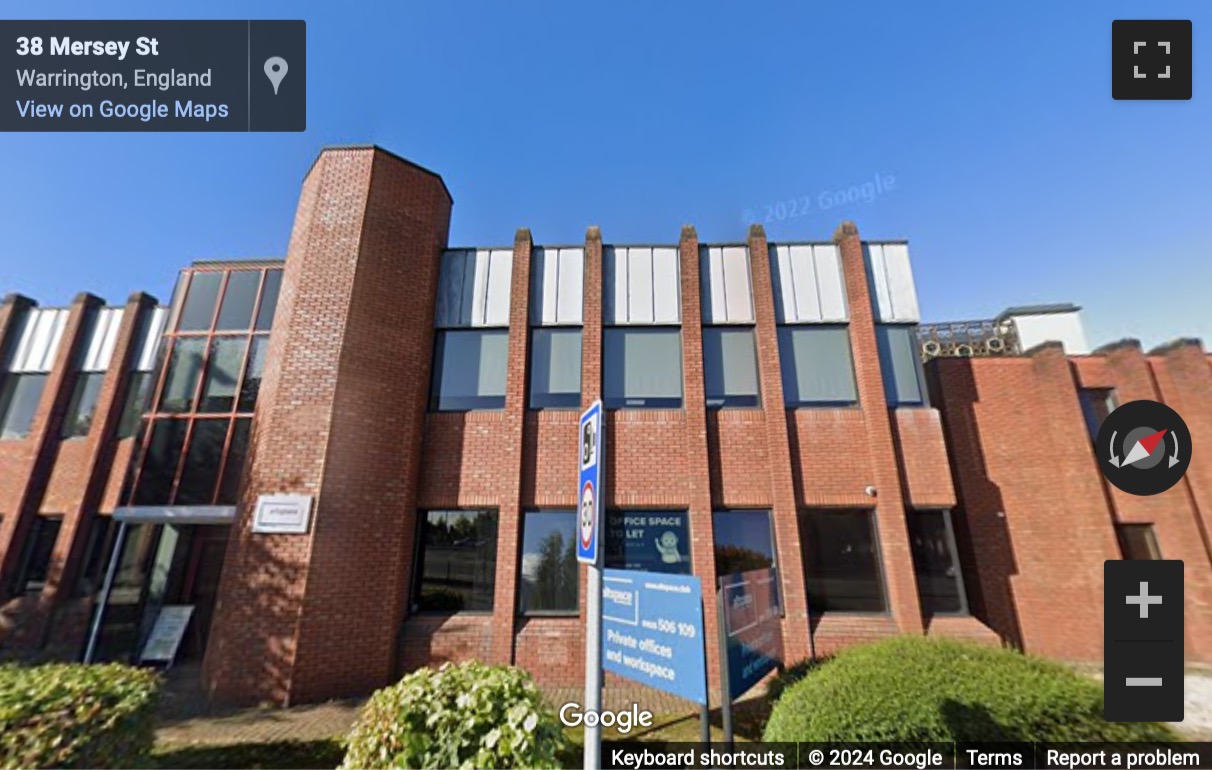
[(282, 514)]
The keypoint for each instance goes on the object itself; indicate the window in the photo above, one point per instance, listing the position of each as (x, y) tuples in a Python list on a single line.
[(83, 405), (233, 469), (222, 374), (900, 365), (842, 562), (160, 462), (181, 382), (269, 299), (138, 389), (653, 541), (238, 300), (1137, 542), (19, 397), (730, 366), (817, 367), (469, 370), (642, 368), (548, 579), (1096, 403), (555, 368), (251, 387), (457, 562), (38, 551), (744, 540), (96, 555), (199, 307), (940, 583), (201, 472)]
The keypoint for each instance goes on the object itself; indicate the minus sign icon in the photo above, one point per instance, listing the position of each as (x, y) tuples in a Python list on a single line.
[(1143, 681)]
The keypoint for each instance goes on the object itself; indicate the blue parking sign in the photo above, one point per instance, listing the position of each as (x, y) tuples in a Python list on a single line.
[(590, 451)]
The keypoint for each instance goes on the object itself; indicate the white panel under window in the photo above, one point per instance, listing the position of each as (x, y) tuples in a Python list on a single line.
[(809, 287), (102, 339), (38, 343), (474, 288), (150, 343), (557, 286), (892, 288), (727, 290), (641, 285)]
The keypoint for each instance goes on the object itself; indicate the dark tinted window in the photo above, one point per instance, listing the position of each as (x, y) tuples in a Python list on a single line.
[(238, 300), (138, 388), (457, 562), (201, 470), (1096, 403), (841, 562), (817, 367), (555, 368), (744, 540), (252, 378), (237, 452), (160, 462), (269, 299), (199, 308), (548, 574), (469, 370), (730, 366), (939, 582), (900, 364), (83, 406), (1138, 542), (96, 553), (642, 368), (653, 541), (39, 549), (222, 374), (184, 368), (19, 397)]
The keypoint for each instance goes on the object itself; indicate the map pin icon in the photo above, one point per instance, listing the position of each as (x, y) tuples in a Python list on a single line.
[(275, 70)]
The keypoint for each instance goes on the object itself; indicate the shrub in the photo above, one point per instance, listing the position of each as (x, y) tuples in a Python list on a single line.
[(72, 715), (918, 689), (469, 716), (790, 675)]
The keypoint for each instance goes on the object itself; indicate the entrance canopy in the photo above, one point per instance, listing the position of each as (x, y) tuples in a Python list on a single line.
[(176, 514)]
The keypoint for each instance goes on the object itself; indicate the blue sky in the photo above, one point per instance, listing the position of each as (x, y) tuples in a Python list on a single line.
[(1017, 179)]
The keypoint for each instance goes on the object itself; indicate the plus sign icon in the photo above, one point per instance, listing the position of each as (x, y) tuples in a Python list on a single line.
[(1150, 59)]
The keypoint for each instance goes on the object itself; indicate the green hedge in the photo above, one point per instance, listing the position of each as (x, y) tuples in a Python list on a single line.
[(911, 688), (469, 716), (71, 715)]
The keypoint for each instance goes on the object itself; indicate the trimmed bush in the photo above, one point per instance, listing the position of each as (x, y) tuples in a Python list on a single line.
[(911, 688), (469, 716), (72, 715), (781, 681)]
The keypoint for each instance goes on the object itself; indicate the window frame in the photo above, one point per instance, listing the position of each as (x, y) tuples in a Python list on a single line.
[(1121, 527), (784, 359), (530, 359), (21, 584), (611, 403), (418, 563), (69, 429), (1109, 398), (881, 573), (10, 382), (965, 608), (888, 373), (439, 337), (575, 612), (757, 368)]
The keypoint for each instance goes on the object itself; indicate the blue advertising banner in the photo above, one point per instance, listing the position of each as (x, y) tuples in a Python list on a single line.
[(653, 541), (753, 629), (652, 631)]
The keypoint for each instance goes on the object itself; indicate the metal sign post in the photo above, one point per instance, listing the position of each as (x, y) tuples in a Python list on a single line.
[(589, 485)]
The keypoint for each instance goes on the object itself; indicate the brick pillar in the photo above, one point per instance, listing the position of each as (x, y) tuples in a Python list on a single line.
[(96, 452), (340, 417), (509, 508), (890, 510), (784, 510), (12, 463), (41, 445), (698, 467)]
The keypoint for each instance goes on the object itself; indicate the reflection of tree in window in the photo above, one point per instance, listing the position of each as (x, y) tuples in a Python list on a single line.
[(735, 558), (457, 561), (552, 587)]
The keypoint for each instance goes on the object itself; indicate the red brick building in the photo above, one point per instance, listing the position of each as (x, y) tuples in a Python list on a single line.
[(416, 406)]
